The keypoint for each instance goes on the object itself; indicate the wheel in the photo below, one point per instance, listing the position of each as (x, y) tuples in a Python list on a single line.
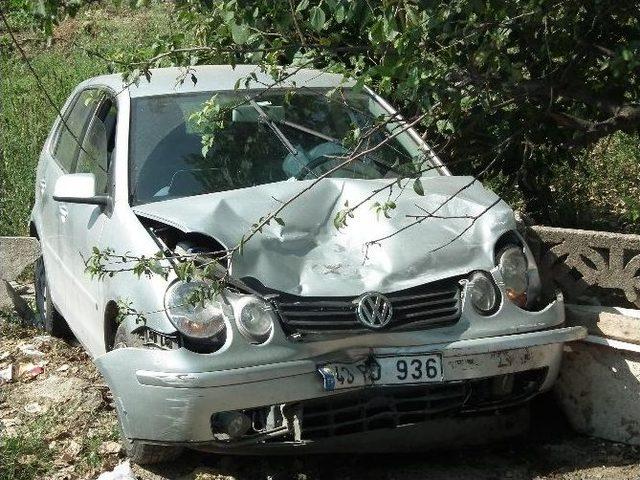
[(47, 317), (140, 452)]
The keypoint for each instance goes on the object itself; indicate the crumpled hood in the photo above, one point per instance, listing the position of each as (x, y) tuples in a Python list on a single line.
[(308, 256)]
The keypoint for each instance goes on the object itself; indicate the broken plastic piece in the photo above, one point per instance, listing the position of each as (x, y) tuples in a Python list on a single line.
[(328, 379)]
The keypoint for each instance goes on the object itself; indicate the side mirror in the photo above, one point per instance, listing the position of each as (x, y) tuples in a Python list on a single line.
[(78, 188)]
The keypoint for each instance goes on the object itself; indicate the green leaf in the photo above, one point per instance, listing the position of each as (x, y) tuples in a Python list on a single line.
[(376, 34), (302, 5), (156, 268), (227, 16), (444, 126), (279, 221), (317, 18), (340, 14), (417, 187), (340, 220), (240, 33)]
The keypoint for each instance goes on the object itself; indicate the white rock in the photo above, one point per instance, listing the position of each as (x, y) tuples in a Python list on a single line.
[(6, 374), (33, 408), (121, 472), (109, 448), (30, 350)]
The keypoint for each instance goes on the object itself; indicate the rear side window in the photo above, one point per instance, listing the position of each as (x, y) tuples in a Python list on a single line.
[(98, 144), (76, 120)]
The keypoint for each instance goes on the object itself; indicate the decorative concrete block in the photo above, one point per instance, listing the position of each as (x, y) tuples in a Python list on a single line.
[(588, 266)]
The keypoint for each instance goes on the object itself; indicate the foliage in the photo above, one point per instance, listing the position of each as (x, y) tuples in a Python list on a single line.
[(547, 77), (601, 190), (529, 71)]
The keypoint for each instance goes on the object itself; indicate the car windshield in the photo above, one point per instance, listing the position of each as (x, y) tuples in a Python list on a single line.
[(262, 137)]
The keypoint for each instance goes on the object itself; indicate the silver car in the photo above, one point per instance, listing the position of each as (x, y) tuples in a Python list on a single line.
[(369, 336)]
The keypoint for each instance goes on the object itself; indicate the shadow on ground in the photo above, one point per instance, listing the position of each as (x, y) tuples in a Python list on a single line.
[(550, 451)]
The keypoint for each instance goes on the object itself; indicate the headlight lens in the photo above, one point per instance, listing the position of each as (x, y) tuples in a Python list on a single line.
[(254, 318), (513, 266), (483, 293), (203, 320)]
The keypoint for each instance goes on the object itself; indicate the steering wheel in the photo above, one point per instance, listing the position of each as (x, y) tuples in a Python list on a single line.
[(319, 155)]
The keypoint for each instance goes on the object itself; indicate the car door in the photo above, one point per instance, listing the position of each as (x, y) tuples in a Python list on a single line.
[(60, 160), (83, 227)]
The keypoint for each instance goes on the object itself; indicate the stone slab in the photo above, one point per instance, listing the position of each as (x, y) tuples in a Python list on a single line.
[(599, 391), (16, 254), (611, 322)]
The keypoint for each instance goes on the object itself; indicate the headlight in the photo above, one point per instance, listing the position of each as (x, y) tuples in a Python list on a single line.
[(254, 318), (513, 266), (483, 293), (200, 321)]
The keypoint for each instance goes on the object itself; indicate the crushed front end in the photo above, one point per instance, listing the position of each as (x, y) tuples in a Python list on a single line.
[(442, 370), (316, 347)]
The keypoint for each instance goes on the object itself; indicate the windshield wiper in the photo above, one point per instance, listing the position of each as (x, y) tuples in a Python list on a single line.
[(310, 131), (274, 128)]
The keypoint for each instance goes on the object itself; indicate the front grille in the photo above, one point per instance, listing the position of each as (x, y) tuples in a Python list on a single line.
[(436, 303), (373, 410), (390, 407)]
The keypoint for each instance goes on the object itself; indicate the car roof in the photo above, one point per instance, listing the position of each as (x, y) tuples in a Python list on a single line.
[(166, 81)]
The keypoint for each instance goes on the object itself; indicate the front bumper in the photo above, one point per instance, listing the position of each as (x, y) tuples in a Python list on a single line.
[(161, 401)]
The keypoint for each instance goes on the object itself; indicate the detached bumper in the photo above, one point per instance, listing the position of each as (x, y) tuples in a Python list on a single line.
[(160, 400)]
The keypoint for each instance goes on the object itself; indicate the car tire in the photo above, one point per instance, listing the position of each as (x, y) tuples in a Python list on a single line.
[(140, 452), (47, 317)]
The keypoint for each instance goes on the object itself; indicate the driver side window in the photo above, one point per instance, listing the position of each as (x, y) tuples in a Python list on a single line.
[(98, 144)]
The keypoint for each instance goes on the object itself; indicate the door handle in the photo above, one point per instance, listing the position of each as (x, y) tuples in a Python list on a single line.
[(43, 187), (63, 211)]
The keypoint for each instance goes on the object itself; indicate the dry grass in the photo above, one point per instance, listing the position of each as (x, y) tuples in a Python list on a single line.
[(57, 424)]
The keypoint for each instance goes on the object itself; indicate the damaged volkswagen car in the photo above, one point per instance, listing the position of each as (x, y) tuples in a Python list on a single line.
[(316, 343)]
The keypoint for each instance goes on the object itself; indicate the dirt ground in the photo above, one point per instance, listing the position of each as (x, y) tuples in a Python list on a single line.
[(56, 422)]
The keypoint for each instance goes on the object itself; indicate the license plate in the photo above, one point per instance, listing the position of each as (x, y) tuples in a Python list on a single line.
[(383, 370)]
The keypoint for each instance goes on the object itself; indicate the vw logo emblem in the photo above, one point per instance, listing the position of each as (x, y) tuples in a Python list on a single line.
[(374, 310)]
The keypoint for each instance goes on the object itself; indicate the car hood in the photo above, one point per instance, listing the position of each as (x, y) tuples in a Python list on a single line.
[(308, 256)]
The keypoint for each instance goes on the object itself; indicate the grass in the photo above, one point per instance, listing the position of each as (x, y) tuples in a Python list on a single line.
[(27, 454), (26, 115), (31, 454), (40, 445), (599, 191)]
